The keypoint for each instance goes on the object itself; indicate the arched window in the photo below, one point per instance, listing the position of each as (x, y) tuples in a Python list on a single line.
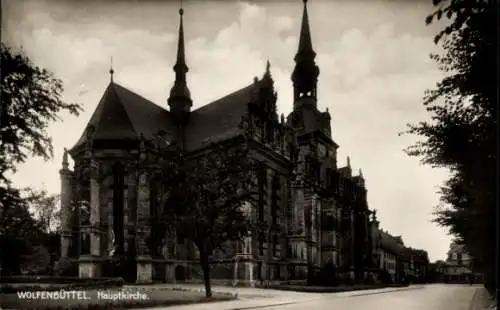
[(262, 181), (274, 199), (118, 202)]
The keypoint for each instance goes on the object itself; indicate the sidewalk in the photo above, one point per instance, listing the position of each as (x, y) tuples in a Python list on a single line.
[(481, 300)]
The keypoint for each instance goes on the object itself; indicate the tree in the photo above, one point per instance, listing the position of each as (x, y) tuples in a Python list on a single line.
[(18, 231), (31, 98), (462, 135), (203, 197), (45, 209)]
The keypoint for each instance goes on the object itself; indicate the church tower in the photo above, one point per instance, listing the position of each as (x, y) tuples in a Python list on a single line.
[(306, 72), (180, 97)]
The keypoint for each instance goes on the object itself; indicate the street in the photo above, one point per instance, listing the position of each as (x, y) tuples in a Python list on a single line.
[(430, 297), (418, 297)]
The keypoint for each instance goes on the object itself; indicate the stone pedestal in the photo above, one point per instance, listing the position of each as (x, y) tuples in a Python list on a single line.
[(170, 273), (89, 270), (144, 271)]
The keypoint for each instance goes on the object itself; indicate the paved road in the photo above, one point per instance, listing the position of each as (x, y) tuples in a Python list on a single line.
[(430, 297), (424, 297)]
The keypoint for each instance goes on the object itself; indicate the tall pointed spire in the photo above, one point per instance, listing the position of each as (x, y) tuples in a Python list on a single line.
[(305, 74), (305, 49), (180, 96)]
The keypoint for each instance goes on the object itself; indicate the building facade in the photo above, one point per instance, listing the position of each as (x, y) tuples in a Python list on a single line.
[(459, 266), (402, 263), (316, 211)]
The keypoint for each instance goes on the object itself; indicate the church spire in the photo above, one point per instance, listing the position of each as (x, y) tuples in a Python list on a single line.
[(305, 49), (305, 74), (180, 96)]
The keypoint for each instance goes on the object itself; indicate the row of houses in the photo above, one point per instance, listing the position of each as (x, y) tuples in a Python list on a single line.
[(399, 262)]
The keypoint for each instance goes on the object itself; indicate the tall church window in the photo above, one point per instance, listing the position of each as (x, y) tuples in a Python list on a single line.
[(274, 200), (118, 202), (261, 202), (155, 243), (276, 252)]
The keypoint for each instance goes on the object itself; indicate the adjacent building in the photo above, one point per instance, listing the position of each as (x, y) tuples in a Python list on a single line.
[(459, 266), (403, 264)]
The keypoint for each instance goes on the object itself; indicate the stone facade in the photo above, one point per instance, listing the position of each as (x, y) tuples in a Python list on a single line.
[(312, 211)]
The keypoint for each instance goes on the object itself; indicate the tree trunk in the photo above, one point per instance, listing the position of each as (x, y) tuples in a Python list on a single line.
[(206, 273)]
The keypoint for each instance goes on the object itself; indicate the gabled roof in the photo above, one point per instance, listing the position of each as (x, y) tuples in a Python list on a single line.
[(220, 119), (123, 115)]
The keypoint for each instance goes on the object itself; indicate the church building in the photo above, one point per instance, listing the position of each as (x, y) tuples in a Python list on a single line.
[(316, 211)]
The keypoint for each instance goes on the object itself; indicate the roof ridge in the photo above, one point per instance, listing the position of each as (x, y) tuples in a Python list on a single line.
[(225, 96)]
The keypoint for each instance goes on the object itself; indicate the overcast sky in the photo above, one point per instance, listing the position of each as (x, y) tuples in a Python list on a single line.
[(373, 57)]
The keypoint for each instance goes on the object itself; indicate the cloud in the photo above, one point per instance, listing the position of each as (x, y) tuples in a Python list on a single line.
[(374, 69)]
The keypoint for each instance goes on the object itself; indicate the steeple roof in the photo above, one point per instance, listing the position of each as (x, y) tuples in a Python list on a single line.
[(305, 50), (180, 89), (306, 72)]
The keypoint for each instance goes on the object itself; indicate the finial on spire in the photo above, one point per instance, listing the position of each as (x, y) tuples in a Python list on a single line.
[(181, 10), (111, 70), (282, 118), (348, 162), (360, 173)]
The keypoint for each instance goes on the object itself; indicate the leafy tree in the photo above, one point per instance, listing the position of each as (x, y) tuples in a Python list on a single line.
[(462, 135), (18, 231), (202, 196), (46, 209), (30, 100)]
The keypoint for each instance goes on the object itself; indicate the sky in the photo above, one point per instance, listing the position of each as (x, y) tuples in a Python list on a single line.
[(373, 57)]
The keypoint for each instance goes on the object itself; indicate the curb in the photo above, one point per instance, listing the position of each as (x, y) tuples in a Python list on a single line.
[(391, 291), (274, 305)]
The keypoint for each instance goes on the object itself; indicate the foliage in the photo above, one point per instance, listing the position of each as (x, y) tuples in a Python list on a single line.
[(31, 99), (201, 196), (37, 261), (18, 230), (46, 209), (462, 135)]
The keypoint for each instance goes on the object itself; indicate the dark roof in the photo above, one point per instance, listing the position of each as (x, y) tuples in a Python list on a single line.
[(391, 243), (220, 119), (123, 115)]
